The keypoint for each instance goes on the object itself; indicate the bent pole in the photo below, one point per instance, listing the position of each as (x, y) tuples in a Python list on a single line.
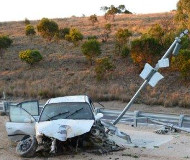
[(167, 54)]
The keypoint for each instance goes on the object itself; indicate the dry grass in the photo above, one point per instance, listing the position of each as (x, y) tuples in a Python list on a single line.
[(65, 71)]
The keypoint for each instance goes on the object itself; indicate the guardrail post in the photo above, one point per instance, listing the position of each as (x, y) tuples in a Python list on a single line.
[(136, 115), (181, 118)]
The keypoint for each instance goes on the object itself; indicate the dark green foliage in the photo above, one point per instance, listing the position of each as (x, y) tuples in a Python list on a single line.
[(122, 36), (125, 51), (121, 39), (29, 30), (74, 36), (157, 32), (183, 13), (112, 10), (91, 49), (30, 56), (103, 65), (106, 33), (92, 37), (5, 42), (182, 63), (47, 28), (93, 19), (27, 21), (145, 50), (62, 33)]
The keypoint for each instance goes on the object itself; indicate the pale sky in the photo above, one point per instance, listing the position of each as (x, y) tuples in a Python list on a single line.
[(12, 10)]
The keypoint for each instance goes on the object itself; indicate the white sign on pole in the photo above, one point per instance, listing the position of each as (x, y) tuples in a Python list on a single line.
[(156, 77), (146, 71), (163, 63)]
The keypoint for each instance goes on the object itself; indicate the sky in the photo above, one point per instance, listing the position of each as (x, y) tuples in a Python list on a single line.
[(13, 10)]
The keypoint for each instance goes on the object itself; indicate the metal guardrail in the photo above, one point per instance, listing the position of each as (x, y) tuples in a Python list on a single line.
[(135, 118)]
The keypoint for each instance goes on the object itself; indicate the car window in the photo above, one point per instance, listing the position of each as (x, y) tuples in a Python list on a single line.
[(31, 107), (66, 111), (19, 115)]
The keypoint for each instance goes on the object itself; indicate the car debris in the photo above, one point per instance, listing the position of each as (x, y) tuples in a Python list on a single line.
[(65, 124)]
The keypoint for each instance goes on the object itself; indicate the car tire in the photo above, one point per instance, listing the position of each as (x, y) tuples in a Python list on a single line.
[(27, 147)]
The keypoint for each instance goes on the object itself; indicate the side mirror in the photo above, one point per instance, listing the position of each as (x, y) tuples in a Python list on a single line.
[(98, 116)]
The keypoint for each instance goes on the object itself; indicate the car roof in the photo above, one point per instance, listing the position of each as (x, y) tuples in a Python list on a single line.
[(75, 98)]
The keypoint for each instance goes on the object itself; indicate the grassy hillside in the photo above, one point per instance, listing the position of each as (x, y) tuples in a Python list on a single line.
[(65, 71)]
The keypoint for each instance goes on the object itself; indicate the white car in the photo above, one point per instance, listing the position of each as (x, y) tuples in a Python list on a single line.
[(62, 119)]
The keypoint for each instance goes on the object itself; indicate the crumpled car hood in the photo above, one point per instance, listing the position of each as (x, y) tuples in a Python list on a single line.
[(62, 129)]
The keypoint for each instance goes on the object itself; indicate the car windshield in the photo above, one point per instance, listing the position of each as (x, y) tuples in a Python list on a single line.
[(66, 111)]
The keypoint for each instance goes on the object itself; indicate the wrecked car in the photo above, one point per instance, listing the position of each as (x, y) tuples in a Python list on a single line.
[(64, 124)]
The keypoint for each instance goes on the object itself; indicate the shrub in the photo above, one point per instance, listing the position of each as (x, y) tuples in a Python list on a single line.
[(144, 50), (91, 49), (125, 51), (157, 32), (182, 63), (30, 56), (92, 37), (27, 21), (62, 33), (74, 36), (107, 31), (103, 65), (29, 30), (47, 28), (5, 42), (93, 19)]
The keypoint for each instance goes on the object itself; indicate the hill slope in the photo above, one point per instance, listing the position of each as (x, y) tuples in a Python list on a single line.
[(65, 71)]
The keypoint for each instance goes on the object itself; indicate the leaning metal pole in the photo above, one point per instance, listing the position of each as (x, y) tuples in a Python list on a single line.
[(168, 52)]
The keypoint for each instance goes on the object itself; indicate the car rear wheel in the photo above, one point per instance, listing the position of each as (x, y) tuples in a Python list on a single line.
[(27, 147)]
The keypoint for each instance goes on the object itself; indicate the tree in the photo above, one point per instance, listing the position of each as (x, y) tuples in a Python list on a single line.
[(27, 21), (145, 49), (181, 63), (62, 33), (47, 28), (103, 66), (74, 36), (29, 30), (183, 13), (121, 38), (91, 49), (93, 19), (30, 56), (5, 42), (106, 33), (112, 10)]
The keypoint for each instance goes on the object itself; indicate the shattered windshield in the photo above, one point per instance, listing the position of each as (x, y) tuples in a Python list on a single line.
[(66, 111)]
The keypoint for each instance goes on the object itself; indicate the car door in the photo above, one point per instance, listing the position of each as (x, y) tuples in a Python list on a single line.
[(22, 119)]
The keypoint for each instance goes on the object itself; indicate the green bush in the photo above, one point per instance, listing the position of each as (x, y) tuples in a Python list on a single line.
[(103, 65), (182, 63), (145, 50), (125, 51), (106, 33), (30, 56), (122, 36), (29, 30), (47, 28), (5, 42), (74, 36), (62, 33), (92, 37), (91, 49), (93, 19)]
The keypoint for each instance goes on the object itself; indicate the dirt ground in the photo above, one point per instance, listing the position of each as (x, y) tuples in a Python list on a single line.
[(176, 148)]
